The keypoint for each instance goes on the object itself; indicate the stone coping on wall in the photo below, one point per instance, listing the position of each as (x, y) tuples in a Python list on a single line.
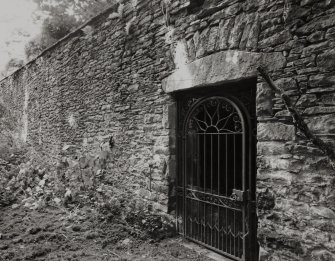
[(221, 67)]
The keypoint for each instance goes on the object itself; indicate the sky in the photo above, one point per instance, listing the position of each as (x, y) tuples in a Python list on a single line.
[(16, 28)]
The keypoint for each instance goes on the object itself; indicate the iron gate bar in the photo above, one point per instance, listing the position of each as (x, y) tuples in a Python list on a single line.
[(226, 192), (213, 142)]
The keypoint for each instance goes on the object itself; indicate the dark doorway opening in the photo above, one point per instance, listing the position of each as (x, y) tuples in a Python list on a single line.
[(215, 203)]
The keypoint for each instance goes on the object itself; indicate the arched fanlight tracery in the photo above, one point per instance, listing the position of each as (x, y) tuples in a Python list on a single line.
[(215, 115)]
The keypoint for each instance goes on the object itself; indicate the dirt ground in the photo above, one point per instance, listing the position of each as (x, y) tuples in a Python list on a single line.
[(57, 233)]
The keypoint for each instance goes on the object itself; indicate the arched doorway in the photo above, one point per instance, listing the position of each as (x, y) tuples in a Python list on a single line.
[(215, 182)]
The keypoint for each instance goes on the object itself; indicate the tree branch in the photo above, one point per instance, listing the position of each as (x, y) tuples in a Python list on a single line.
[(297, 118)]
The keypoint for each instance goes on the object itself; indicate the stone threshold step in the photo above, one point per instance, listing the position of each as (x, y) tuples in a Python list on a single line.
[(203, 251)]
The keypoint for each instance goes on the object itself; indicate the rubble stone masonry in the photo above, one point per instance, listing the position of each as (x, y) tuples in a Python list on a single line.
[(105, 80)]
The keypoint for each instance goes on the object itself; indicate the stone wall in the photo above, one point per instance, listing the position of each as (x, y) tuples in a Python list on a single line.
[(105, 80), (101, 82)]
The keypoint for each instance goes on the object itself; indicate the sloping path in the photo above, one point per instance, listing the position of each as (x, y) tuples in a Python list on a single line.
[(53, 233)]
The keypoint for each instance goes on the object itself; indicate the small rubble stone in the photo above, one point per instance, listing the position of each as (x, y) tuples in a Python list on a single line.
[(323, 212), (91, 234), (76, 228), (3, 247), (33, 230)]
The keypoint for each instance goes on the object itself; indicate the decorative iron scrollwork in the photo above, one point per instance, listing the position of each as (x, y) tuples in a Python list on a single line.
[(215, 115), (213, 199)]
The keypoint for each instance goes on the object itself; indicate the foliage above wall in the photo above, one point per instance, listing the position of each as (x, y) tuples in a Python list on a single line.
[(61, 18)]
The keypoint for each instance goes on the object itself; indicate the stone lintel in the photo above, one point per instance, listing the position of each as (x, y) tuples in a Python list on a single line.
[(221, 67)]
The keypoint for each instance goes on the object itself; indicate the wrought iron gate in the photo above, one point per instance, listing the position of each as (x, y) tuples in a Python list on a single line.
[(215, 194)]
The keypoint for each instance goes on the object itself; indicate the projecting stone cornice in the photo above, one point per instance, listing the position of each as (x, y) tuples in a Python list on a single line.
[(221, 67)]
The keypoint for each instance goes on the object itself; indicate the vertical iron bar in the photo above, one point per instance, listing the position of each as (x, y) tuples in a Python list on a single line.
[(190, 175), (211, 230), (219, 164), (226, 176), (211, 163), (227, 232), (238, 235), (191, 152), (218, 237), (222, 233), (226, 173), (198, 184), (184, 189), (205, 177), (230, 234), (235, 188), (234, 159), (198, 160), (199, 230), (234, 232), (243, 225), (244, 207), (199, 220), (205, 172)]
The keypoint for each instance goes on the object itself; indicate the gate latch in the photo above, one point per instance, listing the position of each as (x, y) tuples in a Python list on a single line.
[(238, 195)]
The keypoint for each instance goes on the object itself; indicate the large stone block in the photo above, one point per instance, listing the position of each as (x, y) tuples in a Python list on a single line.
[(275, 39), (316, 37), (315, 48), (202, 43), (281, 178), (237, 31), (225, 27), (220, 67), (190, 49), (319, 110), (212, 39), (271, 148), (286, 84), (254, 33), (326, 60), (322, 124), (328, 99), (249, 20), (321, 80), (323, 212), (317, 24), (266, 200), (306, 100), (275, 131), (274, 162), (323, 254), (330, 34), (169, 119), (264, 100)]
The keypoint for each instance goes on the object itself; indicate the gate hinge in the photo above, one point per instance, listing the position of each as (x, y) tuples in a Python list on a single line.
[(239, 195)]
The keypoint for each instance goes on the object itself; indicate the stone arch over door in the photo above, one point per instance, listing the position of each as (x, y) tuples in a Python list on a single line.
[(217, 70)]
